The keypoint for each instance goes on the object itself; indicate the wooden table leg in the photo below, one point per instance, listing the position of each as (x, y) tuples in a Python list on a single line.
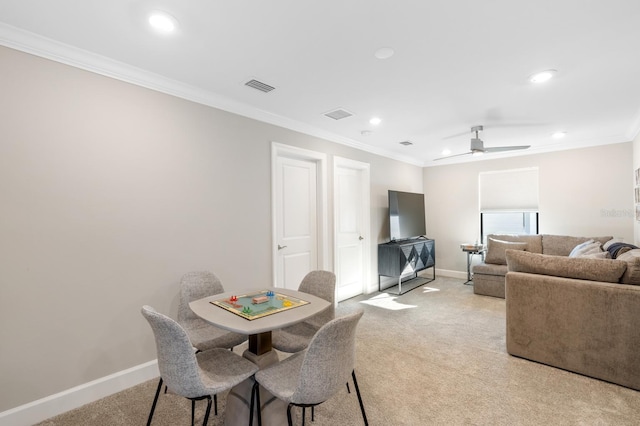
[(260, 344)]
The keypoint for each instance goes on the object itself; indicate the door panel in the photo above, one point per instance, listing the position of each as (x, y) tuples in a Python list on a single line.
[(351, 227), (296, 220)]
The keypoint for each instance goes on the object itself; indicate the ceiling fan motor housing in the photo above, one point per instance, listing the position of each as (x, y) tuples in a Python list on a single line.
[(477, 145)]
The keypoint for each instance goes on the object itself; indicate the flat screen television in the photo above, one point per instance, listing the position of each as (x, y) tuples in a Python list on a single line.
[(406, 215)]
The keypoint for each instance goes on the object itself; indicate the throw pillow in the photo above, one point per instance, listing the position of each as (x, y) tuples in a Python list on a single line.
[(496, 250), (606, 245), (597, 255), (595, 248), (632, 274), (581, 248), (605, 270)]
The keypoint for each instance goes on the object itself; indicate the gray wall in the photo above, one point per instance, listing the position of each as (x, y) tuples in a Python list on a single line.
[(582, 192), (110, 192)]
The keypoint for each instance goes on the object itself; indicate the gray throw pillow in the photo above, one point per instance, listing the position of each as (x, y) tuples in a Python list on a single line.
[(586, 248)]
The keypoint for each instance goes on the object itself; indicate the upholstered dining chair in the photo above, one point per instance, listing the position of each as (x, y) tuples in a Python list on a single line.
[(297, 337), (197, 285), (192, 375), (308, 378)]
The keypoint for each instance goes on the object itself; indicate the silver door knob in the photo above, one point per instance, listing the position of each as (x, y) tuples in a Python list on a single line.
[(281, 247), (360, 238)]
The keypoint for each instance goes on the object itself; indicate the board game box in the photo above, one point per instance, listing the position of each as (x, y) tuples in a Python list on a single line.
[(260, 304)]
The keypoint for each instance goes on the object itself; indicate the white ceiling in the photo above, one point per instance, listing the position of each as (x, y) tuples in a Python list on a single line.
[(457, 64)]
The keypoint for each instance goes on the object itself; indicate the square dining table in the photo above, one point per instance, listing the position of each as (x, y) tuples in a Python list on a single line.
[(260, 351)]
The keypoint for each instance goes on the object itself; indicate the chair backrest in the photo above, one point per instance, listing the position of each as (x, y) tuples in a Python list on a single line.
[(329, 359), (323, 285), (176, 359), (193, 286)]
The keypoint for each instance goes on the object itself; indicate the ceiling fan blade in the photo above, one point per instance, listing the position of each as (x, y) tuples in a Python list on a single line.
[(454, 155), (457, 135), (506, 148)]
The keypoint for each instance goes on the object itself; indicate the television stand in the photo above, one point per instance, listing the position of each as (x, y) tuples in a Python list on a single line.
[(399, 259)]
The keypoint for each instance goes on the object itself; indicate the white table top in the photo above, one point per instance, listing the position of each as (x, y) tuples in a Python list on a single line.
[(229, 321)]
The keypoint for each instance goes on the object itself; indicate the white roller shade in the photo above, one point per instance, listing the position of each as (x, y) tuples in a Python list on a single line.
[(509, 190)]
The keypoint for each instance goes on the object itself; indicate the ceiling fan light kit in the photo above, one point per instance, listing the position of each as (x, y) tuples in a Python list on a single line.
[(542, 76)]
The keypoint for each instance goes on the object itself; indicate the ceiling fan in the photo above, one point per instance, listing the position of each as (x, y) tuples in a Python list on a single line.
[(477, 146)]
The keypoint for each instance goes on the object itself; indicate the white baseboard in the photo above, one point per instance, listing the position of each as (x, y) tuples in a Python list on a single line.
[(52, 405), (451, 274)]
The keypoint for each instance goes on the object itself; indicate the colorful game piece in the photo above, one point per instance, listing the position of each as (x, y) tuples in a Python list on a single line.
[(246, 310), (270, 293), (286, 303), (233, 299)]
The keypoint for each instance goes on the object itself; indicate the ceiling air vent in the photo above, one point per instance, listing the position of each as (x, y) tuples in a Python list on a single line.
[(258, 85), (338, 114), (406, 143)]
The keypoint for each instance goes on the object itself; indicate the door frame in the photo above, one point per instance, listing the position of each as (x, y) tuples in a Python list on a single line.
[(279, 150), (365, 169)]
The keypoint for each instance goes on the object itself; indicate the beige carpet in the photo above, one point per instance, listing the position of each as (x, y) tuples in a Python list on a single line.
[(433, 356)]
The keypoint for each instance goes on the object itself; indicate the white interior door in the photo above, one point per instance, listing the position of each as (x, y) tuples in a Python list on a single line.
[(298, 199), (351, 224)]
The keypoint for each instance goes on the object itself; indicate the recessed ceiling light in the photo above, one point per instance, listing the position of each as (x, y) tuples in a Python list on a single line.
[(375, 121), (163, 22), (406, 143), (559, 135), (446, 151), (366, 132), (384, 53), (542, 76)]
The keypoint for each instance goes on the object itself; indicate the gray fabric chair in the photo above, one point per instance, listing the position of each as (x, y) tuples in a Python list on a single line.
[(197, 285), (192, 375), (310, 377), (297, 337)]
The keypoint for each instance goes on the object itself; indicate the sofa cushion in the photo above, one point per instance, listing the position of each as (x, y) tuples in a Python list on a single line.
[(534, 242), (490, 269), (632, 273), (496, 248), (606, 270), (561, 245)]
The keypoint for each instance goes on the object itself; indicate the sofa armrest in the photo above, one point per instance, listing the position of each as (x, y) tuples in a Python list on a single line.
[(587, 327)]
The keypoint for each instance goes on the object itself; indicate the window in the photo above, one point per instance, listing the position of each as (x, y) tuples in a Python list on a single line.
[(508, 223), (508, 202)]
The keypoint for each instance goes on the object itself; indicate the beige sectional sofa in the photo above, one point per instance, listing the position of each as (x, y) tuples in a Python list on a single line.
[(578, 314), (489, 276)]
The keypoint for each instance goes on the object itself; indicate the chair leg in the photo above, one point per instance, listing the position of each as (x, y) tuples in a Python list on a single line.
[(206, 414), (355, 385), (289, 420), (304, 415), (348, 389), (313, 413), (255, 393), (215, 404), (155, 400), (193, 411)]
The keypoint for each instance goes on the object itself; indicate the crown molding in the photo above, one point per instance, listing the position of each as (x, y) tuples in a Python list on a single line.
[(634, 128), (47, 48)]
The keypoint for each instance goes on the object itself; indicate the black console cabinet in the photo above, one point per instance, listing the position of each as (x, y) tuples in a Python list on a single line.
[(399, 259)]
